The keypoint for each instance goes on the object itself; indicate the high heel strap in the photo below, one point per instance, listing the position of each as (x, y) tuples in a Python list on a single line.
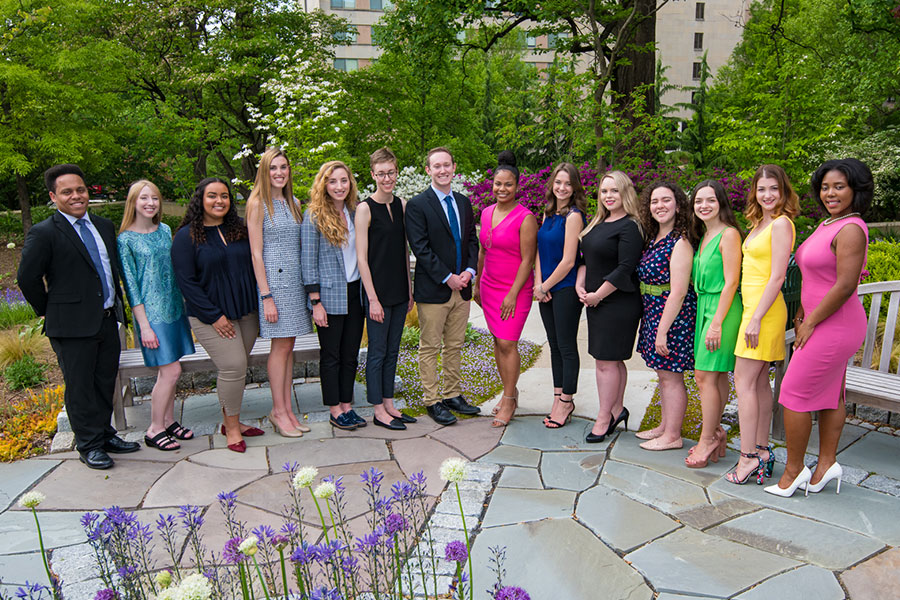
[(770, 462)]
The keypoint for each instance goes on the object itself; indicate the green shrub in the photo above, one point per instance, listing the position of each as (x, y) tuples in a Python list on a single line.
[(883, 263), (472, 334), (25, 373), (410, 337), (14, 312)]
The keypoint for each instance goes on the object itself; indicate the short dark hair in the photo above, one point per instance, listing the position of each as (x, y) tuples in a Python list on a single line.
[(859, 178), (57, 171)]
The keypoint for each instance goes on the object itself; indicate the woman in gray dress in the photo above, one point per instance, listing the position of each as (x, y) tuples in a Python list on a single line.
[(273, 222)]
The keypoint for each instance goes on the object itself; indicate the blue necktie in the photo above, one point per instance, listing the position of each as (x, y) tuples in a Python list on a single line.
[(454, 229), (91, 244)]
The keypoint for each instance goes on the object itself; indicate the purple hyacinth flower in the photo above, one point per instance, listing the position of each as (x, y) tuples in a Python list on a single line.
[(456, 552), (107, 594), (512, 593), (231, 554), (394, 523)]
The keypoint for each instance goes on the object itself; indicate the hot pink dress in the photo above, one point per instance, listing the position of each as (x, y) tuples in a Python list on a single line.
[(502, 257), (815, 375)]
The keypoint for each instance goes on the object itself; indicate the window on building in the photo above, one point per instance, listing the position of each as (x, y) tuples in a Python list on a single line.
[(699, 11), (346, 4), (698, 41), (381, 4), (530, 41), (698, 70), (346, 64), (694, 97), (554, 37), (347, 36)]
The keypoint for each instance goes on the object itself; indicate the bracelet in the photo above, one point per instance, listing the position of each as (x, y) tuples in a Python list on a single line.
[(798, 319), (266, 296)]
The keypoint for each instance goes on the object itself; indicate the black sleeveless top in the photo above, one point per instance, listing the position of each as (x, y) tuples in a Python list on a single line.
[(387, 252)]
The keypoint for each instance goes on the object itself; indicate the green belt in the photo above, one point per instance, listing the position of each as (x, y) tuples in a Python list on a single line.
[(655, 290)]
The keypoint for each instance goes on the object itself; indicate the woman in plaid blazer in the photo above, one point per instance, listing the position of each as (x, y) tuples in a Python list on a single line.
[(331, 278)]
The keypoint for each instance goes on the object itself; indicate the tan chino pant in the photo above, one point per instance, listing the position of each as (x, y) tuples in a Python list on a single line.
[(442, 325)]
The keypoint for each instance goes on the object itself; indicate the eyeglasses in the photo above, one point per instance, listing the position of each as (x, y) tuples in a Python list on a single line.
[(386, 175)]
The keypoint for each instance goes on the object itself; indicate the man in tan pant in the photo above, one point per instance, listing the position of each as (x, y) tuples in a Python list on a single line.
[(440, 227)]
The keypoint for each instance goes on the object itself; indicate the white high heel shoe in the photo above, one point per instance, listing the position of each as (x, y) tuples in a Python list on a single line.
[(801, 479), (835, 471)]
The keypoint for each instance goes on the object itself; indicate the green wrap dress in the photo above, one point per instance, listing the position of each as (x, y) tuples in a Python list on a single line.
[(708, 277)]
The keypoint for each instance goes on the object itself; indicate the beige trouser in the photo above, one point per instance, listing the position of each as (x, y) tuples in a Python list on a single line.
[(442, 323), (230, 357)]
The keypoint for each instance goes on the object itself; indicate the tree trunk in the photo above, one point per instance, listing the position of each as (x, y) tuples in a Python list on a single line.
[(24, 202), (637, 65)]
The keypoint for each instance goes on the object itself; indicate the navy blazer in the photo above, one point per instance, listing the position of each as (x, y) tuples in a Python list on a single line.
[(431, 241), (71, 302)]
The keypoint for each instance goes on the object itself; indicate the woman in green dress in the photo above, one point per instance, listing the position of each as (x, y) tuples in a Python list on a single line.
[(716, 274)]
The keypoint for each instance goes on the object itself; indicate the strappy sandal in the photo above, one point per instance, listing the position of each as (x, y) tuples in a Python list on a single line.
[(732, 476), (161, 441), (551, 424), (770, 462), (693, 460), (496, 409), (555, 397), (177, 431), (497, 423)]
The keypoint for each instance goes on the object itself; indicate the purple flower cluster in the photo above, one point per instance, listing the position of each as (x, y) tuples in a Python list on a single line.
[(230, 553), (106, 594), (394, 523), (12, 296), (456, 552), (512, 593)]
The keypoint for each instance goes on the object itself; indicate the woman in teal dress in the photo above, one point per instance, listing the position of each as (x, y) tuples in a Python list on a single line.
[(161, 328), (716, 274)]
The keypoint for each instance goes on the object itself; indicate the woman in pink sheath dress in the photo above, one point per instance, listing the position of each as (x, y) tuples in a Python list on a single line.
[(830, 324), (505, 282)]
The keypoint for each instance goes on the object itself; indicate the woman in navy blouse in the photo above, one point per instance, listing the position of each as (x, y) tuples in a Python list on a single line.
[(211, 257), (555, 271)]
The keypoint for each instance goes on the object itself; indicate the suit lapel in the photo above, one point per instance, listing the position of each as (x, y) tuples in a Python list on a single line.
[(438, 206), (68, 231), (109, 240)]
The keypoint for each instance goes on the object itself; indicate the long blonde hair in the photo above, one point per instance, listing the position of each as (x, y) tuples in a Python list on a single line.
[(262, 188), (321, 206), (130, 213), (629, 201)]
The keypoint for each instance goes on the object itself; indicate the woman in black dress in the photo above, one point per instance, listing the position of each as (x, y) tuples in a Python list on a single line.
[(607, 284), (384, 269)]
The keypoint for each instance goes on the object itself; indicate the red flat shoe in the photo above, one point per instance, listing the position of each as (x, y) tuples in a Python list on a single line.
[(240, 446), (249, 432)]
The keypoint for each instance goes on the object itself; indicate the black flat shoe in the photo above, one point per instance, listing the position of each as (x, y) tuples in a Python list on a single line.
[(593, 438), (441, 414), (96, 459), (342, 422), (406, 418), (459, 404), (351, 414), (161, 441), (116, 445), (394, 425)]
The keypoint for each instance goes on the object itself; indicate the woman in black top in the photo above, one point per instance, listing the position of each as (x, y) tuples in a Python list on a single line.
[(607, 284), (211, 258), (384, 270)]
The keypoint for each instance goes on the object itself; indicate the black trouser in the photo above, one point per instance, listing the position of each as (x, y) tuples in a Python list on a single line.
[(339, 350), (384, 346), (89, 366), (561, 316)]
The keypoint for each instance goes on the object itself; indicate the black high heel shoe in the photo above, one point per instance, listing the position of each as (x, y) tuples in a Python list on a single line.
[(623, 416), (770, 463)]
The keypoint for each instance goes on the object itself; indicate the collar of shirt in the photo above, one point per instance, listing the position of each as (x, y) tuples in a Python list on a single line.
[(72, 219), (441, 195)]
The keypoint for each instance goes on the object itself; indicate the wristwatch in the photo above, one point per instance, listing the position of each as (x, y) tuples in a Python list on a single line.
[(315, 301), (266, 296)]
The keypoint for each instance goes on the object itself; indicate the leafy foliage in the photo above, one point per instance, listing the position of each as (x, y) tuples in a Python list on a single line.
[(24, 423), (25, 373)]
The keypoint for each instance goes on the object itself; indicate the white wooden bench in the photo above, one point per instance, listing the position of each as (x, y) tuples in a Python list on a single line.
[(131, 364), (871, 386)]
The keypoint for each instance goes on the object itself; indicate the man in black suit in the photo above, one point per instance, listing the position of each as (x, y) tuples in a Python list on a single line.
[(76, 254), (440, 227)]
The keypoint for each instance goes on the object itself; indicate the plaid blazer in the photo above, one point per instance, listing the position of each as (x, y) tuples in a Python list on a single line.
[(322, 265)]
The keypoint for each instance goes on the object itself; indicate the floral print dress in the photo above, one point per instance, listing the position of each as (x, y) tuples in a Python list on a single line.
[(653, 270)]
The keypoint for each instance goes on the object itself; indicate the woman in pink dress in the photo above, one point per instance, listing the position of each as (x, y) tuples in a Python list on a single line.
[(504, 286), (830, 324)]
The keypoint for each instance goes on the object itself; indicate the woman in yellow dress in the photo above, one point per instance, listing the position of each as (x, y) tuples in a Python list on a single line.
[(771, 204)]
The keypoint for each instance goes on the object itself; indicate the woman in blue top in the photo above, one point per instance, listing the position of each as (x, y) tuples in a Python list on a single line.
[(161, 328), (555, 271)]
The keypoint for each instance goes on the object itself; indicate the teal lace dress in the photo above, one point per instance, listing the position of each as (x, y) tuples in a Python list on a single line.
[(150, 280)]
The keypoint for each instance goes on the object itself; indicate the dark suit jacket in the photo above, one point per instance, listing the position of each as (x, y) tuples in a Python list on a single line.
[(71, 301), (431, 240)]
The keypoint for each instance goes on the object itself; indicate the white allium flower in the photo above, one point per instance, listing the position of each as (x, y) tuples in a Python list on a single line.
[(195, 587), (248, 546), (163, 579), (11, 245), (454, 470), (31, 499), (305, 477), (325, 490), (169, 593)]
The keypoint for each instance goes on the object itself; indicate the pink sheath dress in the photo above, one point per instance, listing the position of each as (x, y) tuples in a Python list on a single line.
[(502, 257), (815, 375)]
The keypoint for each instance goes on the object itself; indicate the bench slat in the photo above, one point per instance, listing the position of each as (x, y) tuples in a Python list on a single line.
[(871, 329), (887, 344)]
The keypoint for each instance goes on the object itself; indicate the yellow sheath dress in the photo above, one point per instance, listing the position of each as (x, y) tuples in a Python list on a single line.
[(756, 268)]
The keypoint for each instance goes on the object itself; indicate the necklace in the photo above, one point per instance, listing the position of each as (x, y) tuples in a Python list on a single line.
[(836, 219)]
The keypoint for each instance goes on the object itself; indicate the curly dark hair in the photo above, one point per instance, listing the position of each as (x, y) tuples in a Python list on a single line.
[(683, 214), (233, 227)]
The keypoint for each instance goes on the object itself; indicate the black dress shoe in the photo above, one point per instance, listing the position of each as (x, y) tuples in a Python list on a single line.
[(441, 414), (344, 422), (460, 405), (406, 418), (116, 445), (351, 414), (395, 424), (96, 458)]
